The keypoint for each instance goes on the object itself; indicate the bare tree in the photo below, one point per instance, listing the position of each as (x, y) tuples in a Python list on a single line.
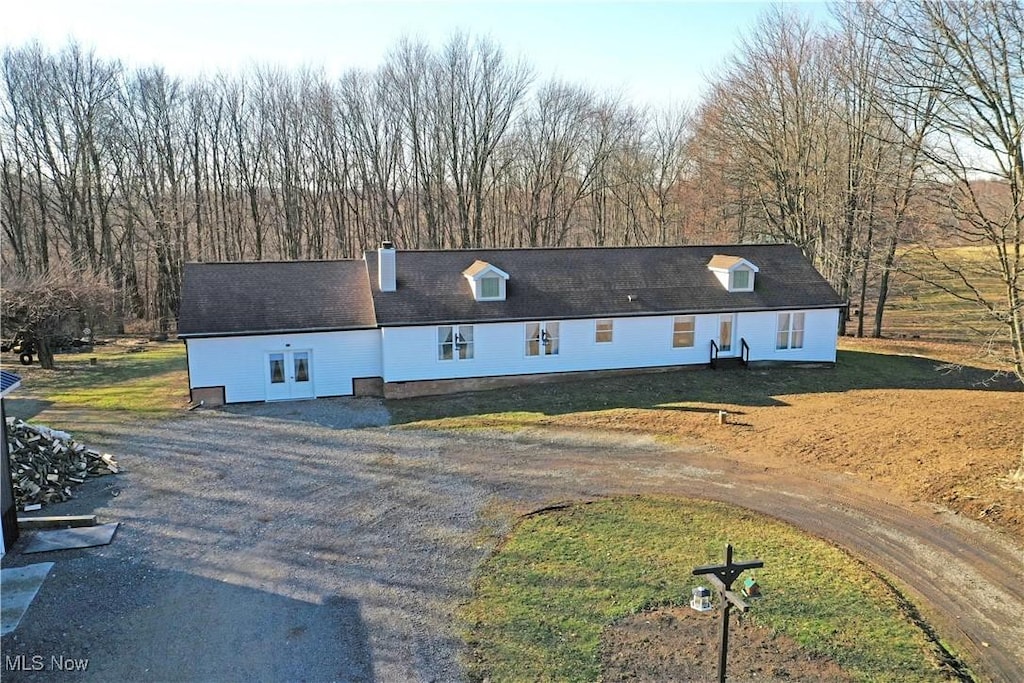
[(479, 93), (156, 179), (665, 146), (547, 155), (57, 109), (971, 56), (16, 211), (131, 173), (768, 118)]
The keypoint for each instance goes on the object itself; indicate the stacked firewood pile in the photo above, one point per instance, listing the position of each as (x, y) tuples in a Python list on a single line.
[(46, 464)]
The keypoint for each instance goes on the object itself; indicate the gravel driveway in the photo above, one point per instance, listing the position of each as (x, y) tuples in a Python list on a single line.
[(277, 542)]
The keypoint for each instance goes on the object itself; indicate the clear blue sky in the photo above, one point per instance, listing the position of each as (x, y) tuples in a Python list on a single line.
[(652, 52)]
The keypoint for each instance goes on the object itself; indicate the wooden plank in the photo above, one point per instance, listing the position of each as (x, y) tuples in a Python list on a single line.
[(57, 522), (717, 583), (727, 594), (737, 601)]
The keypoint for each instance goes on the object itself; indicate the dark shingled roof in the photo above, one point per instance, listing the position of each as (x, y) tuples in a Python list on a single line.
[(219, 299), (594, 282)]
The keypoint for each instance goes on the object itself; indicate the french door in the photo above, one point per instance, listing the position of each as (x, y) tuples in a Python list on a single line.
[(289, 375)]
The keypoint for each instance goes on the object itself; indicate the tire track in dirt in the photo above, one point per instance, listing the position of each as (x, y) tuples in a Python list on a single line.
[(969, 584)]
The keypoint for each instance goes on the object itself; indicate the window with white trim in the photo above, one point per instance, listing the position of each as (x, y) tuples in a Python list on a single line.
[(603, 331), (683, 331), (542, 339), (490, 287), (455, 342), (741, 279), (790, 333)]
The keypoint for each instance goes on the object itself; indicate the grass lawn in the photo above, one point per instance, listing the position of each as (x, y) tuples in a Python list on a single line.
[(542, 600), (131, 380)]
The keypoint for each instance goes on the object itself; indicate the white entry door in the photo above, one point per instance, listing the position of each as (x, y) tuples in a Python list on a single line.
[(289, 375), (726, 330)]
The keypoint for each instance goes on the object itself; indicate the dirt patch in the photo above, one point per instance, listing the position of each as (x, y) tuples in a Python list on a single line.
[(955, 445), (679, 644)]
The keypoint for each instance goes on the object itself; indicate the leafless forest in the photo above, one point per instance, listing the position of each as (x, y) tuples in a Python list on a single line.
[(896, 125)]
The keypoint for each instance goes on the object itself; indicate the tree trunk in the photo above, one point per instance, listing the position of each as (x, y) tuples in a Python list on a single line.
[(45, 353), (883, 285)]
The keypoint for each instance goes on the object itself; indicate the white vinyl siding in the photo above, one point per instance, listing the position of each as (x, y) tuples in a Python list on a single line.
[(237, 363), (400, 354), (761, 331), (409, 352)]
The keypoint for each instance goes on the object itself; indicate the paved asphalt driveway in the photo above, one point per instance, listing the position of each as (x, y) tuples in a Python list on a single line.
[(279, 543)]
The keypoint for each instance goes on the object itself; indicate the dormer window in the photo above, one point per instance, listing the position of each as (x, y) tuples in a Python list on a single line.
[(741, 279), (490, 287), (488, 282), (736, 274)]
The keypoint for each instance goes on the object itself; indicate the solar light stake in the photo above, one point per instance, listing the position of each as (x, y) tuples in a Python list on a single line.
[(721, 577)]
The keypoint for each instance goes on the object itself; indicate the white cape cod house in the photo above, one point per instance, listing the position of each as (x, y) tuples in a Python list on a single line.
[(404, 323)]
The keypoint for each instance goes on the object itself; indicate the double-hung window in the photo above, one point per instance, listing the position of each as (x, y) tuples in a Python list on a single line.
[(455, 342), (682, 331), (603, 330), (790, 334), (542, 339)]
